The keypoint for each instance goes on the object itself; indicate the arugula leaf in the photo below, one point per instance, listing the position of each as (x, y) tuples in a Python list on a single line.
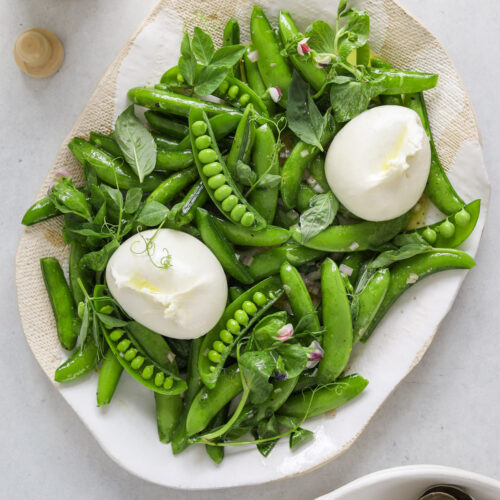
[(349, 99), (244, 174), (354, 33), (321, 37), (152, 214), (304, 117), (257, 367), (187, 61), (133, 200), (209, 78), (110, 321), (202, 46), (228, 56), (98, 260), (322, 211), (136, 142), (69, 200), (405, 252)]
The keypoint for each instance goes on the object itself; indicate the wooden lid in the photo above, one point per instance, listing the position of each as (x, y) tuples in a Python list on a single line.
[(38, 52)]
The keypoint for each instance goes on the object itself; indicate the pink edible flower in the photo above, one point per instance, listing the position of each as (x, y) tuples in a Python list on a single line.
[(323, 61), (51, 185), (62, 173), (285, 332), (302, 47), (316, 354), (253, 56), (275, 93)]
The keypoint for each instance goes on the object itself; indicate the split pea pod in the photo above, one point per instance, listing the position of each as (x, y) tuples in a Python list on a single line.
[(238, 318), (313, 402), (298, 295), (438, 188), (354, 237), (77, 272), (410, 271), (255, 81), (40, 210), (273, 66), (81, 361), (61, 301), (337, 339), (270, 236), (265, 161), (109, 376), (216, 176), (209, 401), (166, 125), (173, 185), (289, 33), (269, 261), (216, 241), (243, 140), (184, 212)]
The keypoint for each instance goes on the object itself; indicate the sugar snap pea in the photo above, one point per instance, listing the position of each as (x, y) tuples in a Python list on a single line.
[(255, 81), (400, 82), (231, 36), (105, 142), (173, 185), (392, 100), (109, 376), (235, 292), (216, 453), (317, 172), (165, 142), (168, 411), (304, 196), (351, 262), (270, 236), (166, 125), (184, 212), (41, 210), (77, 272), (81, 362), (243, 140)]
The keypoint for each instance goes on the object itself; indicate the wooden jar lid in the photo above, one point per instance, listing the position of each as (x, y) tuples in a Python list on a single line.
[(38, 52)]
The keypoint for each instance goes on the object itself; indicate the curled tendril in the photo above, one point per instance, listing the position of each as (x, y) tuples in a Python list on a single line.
[(165, 260)]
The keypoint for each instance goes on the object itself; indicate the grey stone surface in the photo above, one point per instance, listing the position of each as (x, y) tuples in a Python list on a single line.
[(446, 411)]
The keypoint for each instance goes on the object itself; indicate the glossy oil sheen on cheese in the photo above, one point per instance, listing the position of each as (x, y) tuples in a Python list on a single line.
[(378, 164), (184, 300)]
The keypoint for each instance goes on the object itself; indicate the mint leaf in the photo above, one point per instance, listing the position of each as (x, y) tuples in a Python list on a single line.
[(227, 57), (152, 214), (322, 211), (187, 61), (321, 37), (202, 46), (257, 367), (133, 200), (136, 142), (209, 78), (349, 99)]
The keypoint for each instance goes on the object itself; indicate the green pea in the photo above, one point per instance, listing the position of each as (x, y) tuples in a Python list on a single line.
[(241, 317), (81, 309), (106, 309), (169, 382), (249, 307), (430, 235), (199, 128), (213, 356), (259, 298), (148, 371), (447, 229), (233, 326), (216, 181), (207, 155), (248, 219), (130, 354), (462, 218), (159, 378), (116, 335), (229, 203), (237, 212), (123, 345), (219, 346), (223, 87), (233, 91), (202, 142), (244, 99), (225, 336), (222, 193), (211, 368), (213, 168), (180, 78), (137, 362)]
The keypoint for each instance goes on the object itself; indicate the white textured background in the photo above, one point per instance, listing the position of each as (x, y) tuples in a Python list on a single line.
[(447, 411)]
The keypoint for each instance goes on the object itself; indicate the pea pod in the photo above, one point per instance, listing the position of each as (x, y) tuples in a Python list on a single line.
[(410, 271), (395, 81), (286, 218), (165, 142), (438, 188), (269, 261), (110, 170), (61, 301), (173, 185), (369, 301), (79, 363), (184, 212), (215, 240), (304, 197), (243, 140), (168, 411), (337, 339), (353, 261), (237, 319), (391, 100), (109, 376), (354, 237), (464, 221), (216, 453), (234, 293), (313, 402), (255, 81), (216, 176), (77, 272), (209, 401), (40, 210), (289, 33), (231, 36), (166, 125), (265, 161), (273, 66), (270, 236), (317, 172), (107, 143)]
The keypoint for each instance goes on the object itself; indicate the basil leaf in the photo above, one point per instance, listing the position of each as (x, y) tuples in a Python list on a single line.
[(227, 57), (136, 143), (257, 367), (98, 260), (133, 200), (322, 211), (405, 252), (304, 117), (152, 214), (244, 174), (209, 78), (269, 181), (202, 46), (187, 61), (69, 200), (354, 33), (110, 321), (349, 99), (321, 37)]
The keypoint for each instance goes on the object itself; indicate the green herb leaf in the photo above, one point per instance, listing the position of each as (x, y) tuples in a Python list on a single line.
[(349, 99), (90, 230), (304, 117), (269, 181), (110, 321), (133, 200), (98, 260), (266, 330), (227, 57), (267, 429), (202, 46), (342, 6), (69, 200), (257, 367), (187, 61), (354, 33), (405, 252), (294, 357), (152, 214), (113, 195), (100, 216), (322, 211), (321, 37), (136, 143), (409, 238), (209, 78), (299, 437), (244, 174)]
